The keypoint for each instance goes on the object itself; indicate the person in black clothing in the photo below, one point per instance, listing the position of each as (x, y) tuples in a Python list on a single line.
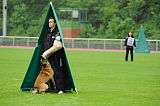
[(52, 49), (129, 44)]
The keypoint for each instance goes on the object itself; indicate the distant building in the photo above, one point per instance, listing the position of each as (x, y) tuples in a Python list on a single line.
[(73, 21)]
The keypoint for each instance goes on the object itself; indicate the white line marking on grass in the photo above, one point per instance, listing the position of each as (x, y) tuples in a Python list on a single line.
[(16, 79)]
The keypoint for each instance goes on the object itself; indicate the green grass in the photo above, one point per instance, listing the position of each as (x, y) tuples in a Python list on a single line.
[(102, 79)]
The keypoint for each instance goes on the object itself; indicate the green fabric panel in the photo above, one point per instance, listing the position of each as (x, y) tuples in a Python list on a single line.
[(34, 67), (142, 44), (33, 71)]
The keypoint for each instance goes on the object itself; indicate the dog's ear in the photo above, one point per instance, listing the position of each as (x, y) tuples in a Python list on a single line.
[(42, 58)]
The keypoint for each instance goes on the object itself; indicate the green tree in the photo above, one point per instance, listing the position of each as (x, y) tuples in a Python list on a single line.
[(90, 32), (106, 18), (17, 22)]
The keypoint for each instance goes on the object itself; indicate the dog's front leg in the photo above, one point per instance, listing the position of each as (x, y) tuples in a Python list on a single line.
[(52, 79), (34, 91)]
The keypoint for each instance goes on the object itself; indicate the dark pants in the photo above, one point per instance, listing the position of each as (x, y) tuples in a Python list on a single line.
[(127, 52), (58, 74), (56, 63)]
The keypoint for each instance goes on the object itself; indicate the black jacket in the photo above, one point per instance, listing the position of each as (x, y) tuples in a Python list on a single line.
[(125, 43), (58, 63)]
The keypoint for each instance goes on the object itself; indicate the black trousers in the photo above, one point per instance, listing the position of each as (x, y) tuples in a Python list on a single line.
[(58, 74), (56, 64), (127, 52)]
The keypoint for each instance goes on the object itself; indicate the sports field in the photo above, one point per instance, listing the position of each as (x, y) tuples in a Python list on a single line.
[(102, 79)]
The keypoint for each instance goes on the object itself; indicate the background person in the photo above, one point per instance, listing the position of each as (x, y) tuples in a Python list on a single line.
[(129, 44)]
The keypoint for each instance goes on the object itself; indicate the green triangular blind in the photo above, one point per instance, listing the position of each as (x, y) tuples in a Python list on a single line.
[(142, 44), (34, 66)]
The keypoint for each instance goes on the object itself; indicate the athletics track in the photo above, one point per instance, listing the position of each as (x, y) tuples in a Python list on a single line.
[(80, 49)]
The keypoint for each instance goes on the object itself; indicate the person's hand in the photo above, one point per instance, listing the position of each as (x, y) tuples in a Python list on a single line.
[(58, 38), (63, 46), (43, 56)]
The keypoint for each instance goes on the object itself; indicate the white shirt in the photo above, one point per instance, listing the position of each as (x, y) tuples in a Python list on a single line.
[(130, 41)]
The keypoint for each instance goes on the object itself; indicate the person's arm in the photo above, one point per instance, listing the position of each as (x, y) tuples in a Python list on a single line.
[(134, 43), (57, 45), (125, 42)]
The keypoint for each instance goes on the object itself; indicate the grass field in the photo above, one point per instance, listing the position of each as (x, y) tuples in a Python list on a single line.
[(102, 79)]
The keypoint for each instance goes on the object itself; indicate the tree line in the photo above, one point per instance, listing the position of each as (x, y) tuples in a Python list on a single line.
[(105, 18)]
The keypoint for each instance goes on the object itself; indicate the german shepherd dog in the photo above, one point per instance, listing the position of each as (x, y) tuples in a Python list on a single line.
[(45, 74)]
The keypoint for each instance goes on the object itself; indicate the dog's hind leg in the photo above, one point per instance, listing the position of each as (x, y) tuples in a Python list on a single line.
[(43, 87)]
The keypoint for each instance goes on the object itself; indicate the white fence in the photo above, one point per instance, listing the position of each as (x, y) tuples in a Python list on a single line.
[(75, 43)]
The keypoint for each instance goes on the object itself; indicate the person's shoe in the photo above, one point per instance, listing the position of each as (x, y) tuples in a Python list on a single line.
[(60, 92)]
